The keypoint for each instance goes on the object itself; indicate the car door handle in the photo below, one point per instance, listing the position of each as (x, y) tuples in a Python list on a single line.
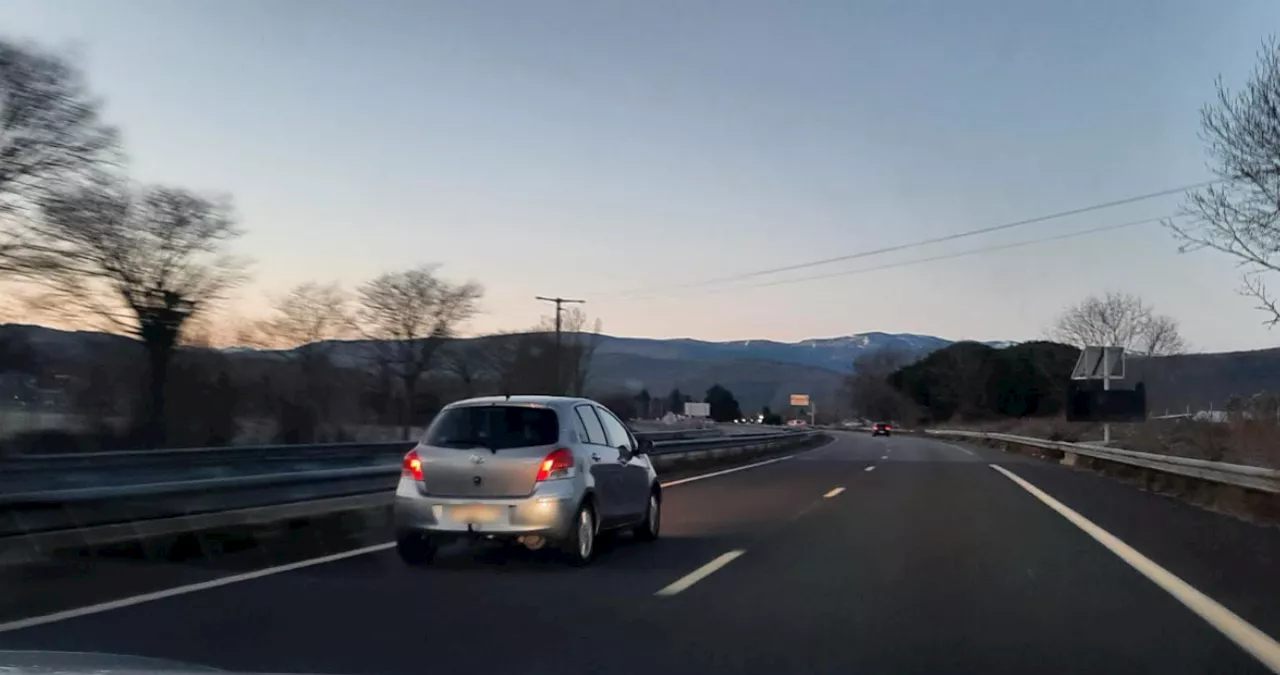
[(595, 457)]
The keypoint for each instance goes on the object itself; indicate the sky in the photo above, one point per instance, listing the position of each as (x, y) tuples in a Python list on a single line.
[(598, 148)]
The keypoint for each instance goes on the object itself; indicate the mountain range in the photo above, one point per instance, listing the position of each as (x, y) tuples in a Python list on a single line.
[(835, 354), (759, 372)]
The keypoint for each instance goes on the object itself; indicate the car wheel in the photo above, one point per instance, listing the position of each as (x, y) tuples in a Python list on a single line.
[(415, 549), (580, 545), (649, 528)]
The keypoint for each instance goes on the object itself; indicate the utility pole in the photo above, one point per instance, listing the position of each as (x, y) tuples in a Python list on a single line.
[(560, 303), (1106, 386)]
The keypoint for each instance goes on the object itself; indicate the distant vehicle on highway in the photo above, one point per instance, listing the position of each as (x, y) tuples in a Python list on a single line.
[(538, 470), (796, 423), (881, 429)]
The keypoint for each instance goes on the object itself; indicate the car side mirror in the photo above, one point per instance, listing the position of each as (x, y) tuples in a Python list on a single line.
[(644, 446)]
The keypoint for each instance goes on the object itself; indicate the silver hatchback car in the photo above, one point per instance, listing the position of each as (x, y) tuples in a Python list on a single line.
[(539, 470)]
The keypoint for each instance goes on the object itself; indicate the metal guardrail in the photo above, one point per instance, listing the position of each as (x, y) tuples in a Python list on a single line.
[(28, 472), (230, 454), (1239, 475), (96, 514)]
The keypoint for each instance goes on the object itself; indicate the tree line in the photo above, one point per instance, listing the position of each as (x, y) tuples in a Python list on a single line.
[(971, 380), (723, 405)]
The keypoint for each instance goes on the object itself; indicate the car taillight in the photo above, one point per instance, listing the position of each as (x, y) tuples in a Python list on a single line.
[(412, 466), (557, 464)]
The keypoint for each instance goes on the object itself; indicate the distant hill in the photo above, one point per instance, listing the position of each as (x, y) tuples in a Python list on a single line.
[(836, 354), (758, 372), (1204, 381)]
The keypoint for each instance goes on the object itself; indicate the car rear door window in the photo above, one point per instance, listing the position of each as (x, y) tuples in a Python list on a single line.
[(595, 431), (497, 427), (617, 431)]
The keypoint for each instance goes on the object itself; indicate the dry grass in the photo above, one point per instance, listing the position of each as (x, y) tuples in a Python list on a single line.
[(1238, 442)]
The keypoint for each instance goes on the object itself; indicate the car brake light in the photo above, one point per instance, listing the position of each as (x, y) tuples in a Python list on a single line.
[(557, 464), (412, 466)]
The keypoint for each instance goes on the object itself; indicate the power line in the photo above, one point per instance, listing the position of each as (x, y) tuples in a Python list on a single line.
[(919, 261), (925, 242)]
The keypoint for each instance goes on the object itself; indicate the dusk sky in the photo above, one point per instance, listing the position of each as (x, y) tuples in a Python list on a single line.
[(589, 148)]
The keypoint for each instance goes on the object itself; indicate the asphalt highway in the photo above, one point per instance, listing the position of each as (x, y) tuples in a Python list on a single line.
[(867, 555)]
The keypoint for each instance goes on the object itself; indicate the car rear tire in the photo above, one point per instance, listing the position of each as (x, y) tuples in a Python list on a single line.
[(651, 526), (415, 549), (580, 545)]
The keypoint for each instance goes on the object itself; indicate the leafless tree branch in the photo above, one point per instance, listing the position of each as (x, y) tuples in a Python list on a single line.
[(1119, 320), (50, 134), (142, 259), (1240, 216), (406, 316)]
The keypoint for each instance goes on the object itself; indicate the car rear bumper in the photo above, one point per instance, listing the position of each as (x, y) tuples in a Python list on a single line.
[(548, 512)]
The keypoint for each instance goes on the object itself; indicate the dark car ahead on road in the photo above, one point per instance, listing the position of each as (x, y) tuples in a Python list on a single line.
[(881, 429)]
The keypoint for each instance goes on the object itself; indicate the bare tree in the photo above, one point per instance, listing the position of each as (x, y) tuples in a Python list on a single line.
[(1119, 320), (407, 315), (304, 324), (475, 362), (870, 394), (49, 134), (514, 360), (143, 260), (577, 348), (1264, 407), (307, 316), (1240, 214)]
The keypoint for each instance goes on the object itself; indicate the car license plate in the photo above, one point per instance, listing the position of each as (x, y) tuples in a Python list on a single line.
[(475, 514)]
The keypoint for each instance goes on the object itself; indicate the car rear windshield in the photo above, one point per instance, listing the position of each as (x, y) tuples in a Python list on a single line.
[(493, 427)]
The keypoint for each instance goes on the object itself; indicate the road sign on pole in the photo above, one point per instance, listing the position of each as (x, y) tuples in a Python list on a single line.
[(1100, 363)]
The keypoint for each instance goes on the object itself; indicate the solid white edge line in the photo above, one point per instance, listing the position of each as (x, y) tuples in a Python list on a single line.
[(701, 573), (19, 624), (833, 492), (964, 450), (182, 590), (735, 469), (1239, 631)]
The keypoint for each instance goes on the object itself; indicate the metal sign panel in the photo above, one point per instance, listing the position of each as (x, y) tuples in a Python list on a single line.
[(800, 400), (1089, 403), (1094, 362), (697, 409)]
